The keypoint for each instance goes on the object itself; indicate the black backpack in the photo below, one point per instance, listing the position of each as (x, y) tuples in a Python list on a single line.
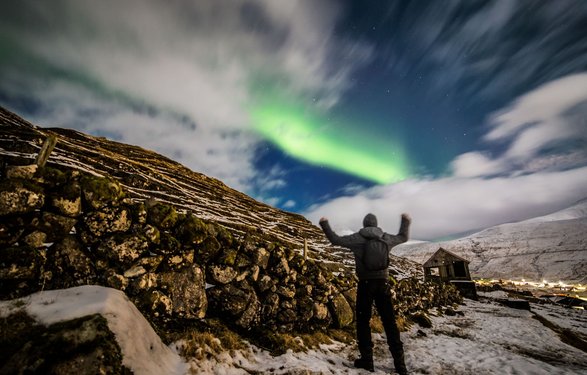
[(376, 255)]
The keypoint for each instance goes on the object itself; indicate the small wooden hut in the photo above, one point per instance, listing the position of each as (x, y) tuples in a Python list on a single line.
[(444, 266)]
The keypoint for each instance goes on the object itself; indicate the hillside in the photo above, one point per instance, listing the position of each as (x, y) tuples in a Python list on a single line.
[(198, 260), (551, 247), (146, 175)]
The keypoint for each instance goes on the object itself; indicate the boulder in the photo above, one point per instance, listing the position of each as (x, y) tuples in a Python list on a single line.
[(260, 257), (270, 306), (187, 290), (19, 197), (162, 216), (35, 239), (115, 280), (69, 261), (156, 303), (265, 283), (287, 291), (207, 250), (122, 249), (83, 346), (220, 275), (251, 315), (341, 311), (192, 231), (320, 311), (143, 283), (235, 304), (56, 226), (108, 220), (68, 200), (19, 263), (100, 192), (25, 172)]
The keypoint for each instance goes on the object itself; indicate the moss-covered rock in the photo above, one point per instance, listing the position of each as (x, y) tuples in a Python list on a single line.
[(109, 220), (341, 311), (227, 257), (187, 290), (25, 172), (192, 231), (168, 245), (122, 249), (83, 346), (220, 274), (67, 201), (100, 192), (162, 216), (19, 197), (207, 250), (69, 261), (56, 226), (52, 177)]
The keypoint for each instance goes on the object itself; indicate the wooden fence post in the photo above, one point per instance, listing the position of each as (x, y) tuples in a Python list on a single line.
[(48, 146)]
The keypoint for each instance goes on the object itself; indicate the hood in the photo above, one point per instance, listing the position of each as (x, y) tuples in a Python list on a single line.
[(370, 220), (371, 232)]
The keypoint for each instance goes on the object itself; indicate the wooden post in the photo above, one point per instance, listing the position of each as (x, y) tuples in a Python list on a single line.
[(48, 146), (305, 249)]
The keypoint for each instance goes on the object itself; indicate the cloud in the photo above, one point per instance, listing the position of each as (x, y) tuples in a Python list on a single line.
[(492, 50), (452, 205), (541, 118), (175, 76), (543, 168)]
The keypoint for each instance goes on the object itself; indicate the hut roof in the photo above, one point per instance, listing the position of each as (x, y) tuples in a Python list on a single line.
[(442, 256)]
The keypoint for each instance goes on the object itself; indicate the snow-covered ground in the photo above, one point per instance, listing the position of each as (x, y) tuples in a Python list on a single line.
[(487, 339)]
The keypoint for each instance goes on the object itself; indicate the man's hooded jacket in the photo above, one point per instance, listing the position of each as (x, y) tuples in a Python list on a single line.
[(356, 242)]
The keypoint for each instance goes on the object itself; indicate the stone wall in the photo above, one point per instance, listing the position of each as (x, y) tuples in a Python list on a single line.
[(61, 228)]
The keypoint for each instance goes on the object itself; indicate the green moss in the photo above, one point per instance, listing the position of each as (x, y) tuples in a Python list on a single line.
[(224, 237), (228, 257), (207, 250), (162, 216), (192, 231), (168, 244), (52, 176), (100, 192)]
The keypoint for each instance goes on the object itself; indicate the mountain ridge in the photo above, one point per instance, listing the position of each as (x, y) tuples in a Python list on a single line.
[(551, 247)]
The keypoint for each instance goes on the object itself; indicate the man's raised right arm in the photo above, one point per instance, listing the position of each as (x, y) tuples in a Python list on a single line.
[(335, 239)]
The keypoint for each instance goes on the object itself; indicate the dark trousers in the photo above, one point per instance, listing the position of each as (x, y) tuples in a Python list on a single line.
[(378, 291)]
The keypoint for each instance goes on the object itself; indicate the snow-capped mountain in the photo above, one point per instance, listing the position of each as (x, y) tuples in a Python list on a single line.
[(551, 247)]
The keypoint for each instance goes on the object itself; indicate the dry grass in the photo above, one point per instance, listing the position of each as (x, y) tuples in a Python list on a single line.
[(403, 324), (212, 340), (376, 325)]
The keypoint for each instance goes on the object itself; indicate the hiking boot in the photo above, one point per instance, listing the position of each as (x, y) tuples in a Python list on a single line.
[(366, 364)]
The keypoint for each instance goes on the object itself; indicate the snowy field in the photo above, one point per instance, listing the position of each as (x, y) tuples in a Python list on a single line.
[(487, 339)]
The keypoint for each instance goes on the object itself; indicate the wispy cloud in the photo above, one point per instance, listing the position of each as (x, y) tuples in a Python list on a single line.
[(530, 177), (173, 76)]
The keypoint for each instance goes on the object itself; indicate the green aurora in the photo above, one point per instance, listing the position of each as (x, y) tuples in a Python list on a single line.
[(309, 137)]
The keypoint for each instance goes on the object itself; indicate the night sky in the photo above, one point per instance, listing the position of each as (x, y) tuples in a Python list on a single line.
[(464, 114)]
